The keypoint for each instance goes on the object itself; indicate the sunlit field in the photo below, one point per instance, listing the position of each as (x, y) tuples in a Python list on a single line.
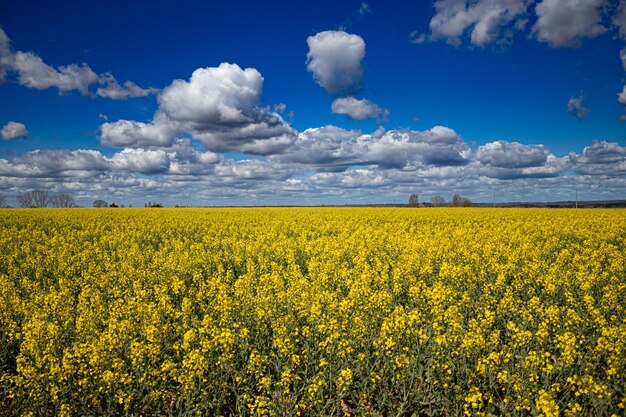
[(295, 311)]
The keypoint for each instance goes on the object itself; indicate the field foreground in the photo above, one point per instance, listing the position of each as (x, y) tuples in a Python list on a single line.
[(340, 311)]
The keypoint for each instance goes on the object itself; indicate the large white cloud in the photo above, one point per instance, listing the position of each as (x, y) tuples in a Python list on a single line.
[(356, 109), (13, 130), (214, 96), (334, 58), (486, 18), (565, 23), (218, 106)]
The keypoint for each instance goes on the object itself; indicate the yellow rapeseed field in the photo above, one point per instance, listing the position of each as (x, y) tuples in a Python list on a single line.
[(321, 311)]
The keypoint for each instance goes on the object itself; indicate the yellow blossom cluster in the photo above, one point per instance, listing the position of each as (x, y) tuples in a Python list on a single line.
[(312, 311)]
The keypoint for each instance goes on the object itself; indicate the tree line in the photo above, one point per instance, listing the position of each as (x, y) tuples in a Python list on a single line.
[(41, 199), (438, 201)]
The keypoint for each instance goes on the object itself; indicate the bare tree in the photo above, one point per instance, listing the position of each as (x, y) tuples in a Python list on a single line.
[(32, 199), (26, 200), (100, 204), (458, 201), (3, 202), (41, 198), (413, 200), (62, 201), (438, 201)]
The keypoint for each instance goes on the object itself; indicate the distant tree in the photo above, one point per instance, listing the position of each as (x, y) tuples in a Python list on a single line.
[(413, 200), (113, 205), (62, 201), (438, 201), (32, 199), (458, 201), (3, 202), (41, 198), (100, 204), (25, 200)]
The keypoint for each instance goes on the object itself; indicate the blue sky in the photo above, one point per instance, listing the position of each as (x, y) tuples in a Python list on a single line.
[(321, 103)]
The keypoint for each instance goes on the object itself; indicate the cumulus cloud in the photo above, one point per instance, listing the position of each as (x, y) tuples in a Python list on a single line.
[(483, 18), (331, 148), (141, 160), (504, 154), (576, 107), (33, 72), (334, 58), (214, 96), (565, 23), (53, 163), (132, 134), (13, 130), (218, 106), (601, 158), (357, 109)]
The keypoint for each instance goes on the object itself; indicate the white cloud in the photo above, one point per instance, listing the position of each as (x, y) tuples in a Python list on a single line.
[(576, 107), (132, 134), (334, 58), (115, 91), (331, 148), (565, 23), (486, 18), (504, 154), (33, 72), (214, 96), (13, 130), (622, 55), (53, 163), (141, 160), (218, 106), (601, 158), (357, 109)]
